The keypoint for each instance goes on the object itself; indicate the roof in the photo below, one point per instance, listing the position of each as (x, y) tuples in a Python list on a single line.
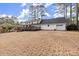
[(55, 20)]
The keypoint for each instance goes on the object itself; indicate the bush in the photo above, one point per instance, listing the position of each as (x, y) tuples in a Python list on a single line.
[(71, 27), (6, 27)]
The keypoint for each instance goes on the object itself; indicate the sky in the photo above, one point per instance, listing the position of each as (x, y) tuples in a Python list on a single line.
[(21, 10)]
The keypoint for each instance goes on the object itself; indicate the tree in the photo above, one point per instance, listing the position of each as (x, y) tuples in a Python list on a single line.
[(61, 8), (36, 12), (67, 10), (32, 12), (77, 12)]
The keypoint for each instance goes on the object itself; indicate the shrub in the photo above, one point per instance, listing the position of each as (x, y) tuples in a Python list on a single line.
[(71, 27), (6, 27)]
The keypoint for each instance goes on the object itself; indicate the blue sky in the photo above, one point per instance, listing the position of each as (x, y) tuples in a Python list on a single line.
[(10, 8), (20, 10)]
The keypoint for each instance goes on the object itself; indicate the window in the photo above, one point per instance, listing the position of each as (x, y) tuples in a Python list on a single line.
[(48, 25)]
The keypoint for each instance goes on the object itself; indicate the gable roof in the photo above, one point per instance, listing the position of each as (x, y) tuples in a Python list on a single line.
[(55, 20)]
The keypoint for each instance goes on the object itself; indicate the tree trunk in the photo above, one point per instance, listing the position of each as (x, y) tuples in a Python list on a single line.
[(66, 11), (65, 14), (77, 14), (70, 11), (70, 19)]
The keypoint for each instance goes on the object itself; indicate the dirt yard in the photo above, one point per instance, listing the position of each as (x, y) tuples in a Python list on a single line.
[(37, 43)]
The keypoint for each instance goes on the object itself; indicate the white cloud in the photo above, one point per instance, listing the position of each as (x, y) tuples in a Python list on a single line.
[(57, 15), (23, 4), (48, 4), (47, 14), (23, 13), (4, 15), (45, 4), (35, 4), (21, 20), (9, 15)]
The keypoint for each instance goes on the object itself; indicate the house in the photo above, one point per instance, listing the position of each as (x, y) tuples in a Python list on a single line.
[(51, 24)]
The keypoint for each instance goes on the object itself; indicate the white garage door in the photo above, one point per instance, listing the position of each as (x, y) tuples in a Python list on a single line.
[(60, 27)]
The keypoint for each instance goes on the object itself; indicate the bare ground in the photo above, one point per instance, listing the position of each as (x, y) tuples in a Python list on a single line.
[(40, 43)]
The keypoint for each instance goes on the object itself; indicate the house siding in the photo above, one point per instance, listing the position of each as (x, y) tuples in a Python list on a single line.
[(55, 26), (47, 26)]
